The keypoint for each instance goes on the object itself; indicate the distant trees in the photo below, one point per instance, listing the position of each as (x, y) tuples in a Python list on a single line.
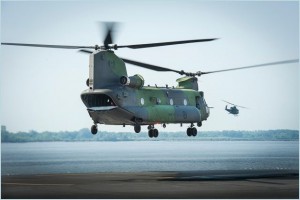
[(85, 135)]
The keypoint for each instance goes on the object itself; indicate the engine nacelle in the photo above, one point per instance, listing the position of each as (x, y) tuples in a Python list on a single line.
[(136, 81)]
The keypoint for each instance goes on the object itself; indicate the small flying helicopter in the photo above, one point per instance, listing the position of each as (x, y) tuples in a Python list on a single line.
[(114, 98), (233, 109)]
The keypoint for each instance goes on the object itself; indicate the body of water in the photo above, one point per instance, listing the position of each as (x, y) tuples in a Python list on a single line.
[(139, 156)]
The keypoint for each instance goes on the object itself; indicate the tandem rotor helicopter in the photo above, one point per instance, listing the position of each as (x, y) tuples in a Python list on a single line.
[(233, 109), (115, 98)]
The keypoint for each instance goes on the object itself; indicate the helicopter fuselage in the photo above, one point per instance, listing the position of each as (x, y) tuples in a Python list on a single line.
[(116, 99), (145, 106), (232, 110)]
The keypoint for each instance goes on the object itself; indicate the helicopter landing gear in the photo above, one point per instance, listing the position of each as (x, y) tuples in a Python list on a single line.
[(152, 132), (94, 129), (191, 131), (137, 128), (199, 124)]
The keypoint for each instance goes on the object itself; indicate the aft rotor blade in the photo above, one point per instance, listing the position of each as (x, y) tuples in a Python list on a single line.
[(149, 45), (149, 66), (253, 66), (49, 46)]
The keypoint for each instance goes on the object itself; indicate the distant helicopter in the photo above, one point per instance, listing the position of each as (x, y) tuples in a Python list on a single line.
[(114, 98), (233, 109)]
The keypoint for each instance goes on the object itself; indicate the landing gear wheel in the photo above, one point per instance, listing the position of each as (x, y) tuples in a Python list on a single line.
[(155, 133), (194, 131), (137, 128), (151, 133), (88, 82), (94, 129), (189, 132)]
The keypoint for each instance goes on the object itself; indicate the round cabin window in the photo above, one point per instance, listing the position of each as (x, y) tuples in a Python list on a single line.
[(185, 102), (142, 101)]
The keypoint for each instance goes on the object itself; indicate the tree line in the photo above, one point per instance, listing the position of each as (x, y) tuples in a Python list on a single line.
[(85, 135)]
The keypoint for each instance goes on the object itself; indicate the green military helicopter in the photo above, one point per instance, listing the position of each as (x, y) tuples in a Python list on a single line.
[(114, 98), (233, 109)]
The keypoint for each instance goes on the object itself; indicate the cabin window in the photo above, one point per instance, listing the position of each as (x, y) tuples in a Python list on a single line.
[(171, 102), (142, 101), (185, 102)]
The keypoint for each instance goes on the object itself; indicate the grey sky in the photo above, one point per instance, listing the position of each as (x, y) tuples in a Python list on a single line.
[(40, 88)]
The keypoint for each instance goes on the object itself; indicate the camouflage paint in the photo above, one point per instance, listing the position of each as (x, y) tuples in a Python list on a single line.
[(188, 82), (105, 69), (143, 105), (159, 108)]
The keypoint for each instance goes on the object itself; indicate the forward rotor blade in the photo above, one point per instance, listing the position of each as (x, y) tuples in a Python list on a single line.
[(149, 45), (148, 66), (110, 26), (109, 40), (253, 66), (49, 46)]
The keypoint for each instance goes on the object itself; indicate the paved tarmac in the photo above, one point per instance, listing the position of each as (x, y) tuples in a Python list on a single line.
[(246, 184)]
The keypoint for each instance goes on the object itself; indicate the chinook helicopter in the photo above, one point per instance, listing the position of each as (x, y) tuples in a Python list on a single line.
[(115, 98), (233, 109)]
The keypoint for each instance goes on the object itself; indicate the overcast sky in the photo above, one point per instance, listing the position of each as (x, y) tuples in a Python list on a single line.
[(40, 87)]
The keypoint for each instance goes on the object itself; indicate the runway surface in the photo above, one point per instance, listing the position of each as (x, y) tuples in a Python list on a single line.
[(241, 184)]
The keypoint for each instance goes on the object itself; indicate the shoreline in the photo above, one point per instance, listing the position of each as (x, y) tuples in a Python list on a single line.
[(161, 140)]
